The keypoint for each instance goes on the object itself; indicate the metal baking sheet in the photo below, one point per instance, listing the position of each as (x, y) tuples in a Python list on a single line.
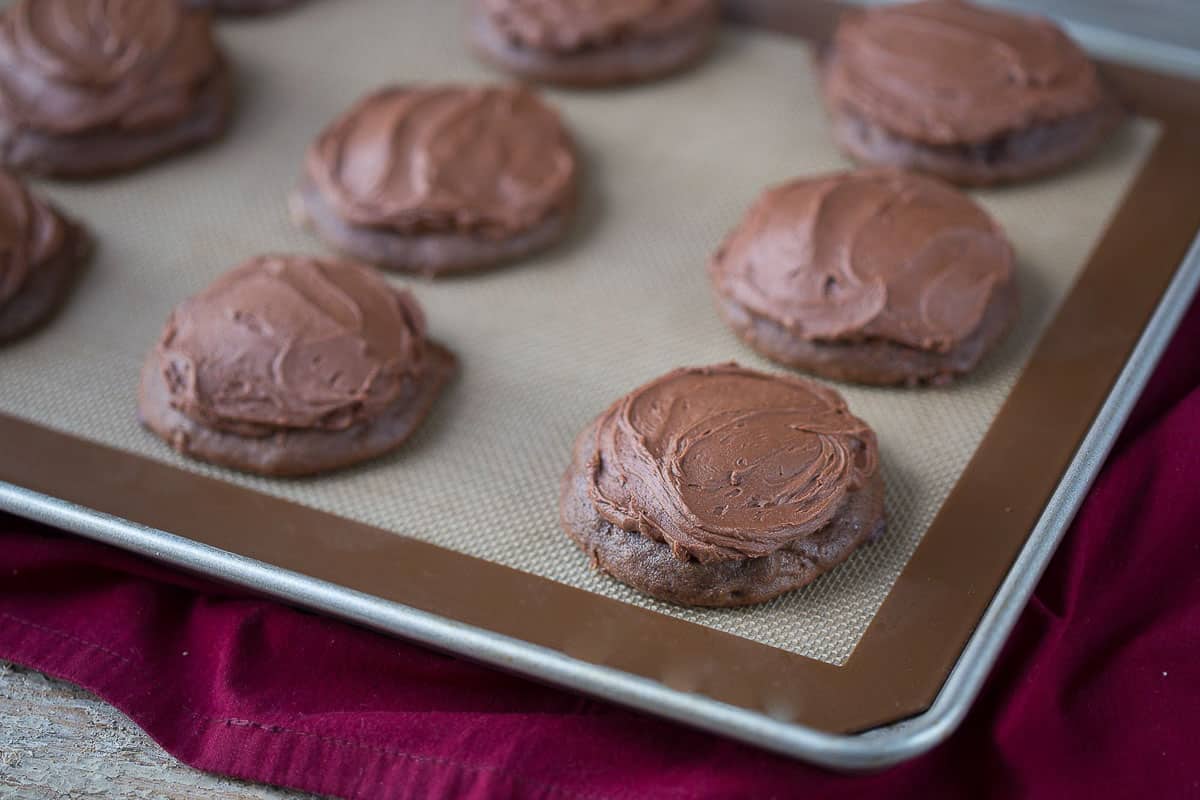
[(77, 379)]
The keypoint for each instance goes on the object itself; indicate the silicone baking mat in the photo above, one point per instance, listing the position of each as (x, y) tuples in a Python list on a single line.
[(546, 344)]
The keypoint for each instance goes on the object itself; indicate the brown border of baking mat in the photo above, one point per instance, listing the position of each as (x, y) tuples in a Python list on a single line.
[(915, 638)]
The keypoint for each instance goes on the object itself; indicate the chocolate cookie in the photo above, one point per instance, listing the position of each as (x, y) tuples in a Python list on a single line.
[(580, 43), (89, 87), (242, 6), (440, 179), (41, 252), (975, 95), (288, 365), (721, 486), (877, 276)]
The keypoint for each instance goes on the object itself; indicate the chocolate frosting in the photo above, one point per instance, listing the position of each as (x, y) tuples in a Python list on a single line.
[(68, 66), (492, 160), (569, 26), (31, 233), (725, 463), (947, 72), (875, 254), (287, 342)]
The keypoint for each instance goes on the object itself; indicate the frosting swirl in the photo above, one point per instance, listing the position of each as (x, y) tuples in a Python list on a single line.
[(31, 233), (68, 66), (725, 463), (285, 342), (948, 72), (871, 254), (493, 161), (569, 26)]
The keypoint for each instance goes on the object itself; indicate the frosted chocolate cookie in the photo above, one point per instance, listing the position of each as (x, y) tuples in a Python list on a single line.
[(973, 94), (582, 43), (721, 486), (90, 87), (878, 276), (440, 179), (288, 365), (41, 252)]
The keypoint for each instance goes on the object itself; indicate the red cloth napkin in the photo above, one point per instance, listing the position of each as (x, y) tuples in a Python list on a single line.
[(1096, 695)]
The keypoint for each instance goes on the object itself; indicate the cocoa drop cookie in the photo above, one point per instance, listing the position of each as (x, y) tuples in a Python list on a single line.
[(89, 87), (972, 94), (41, 253), (583, 43), (440, 179), (289, 365), (722, 486), (877, 276)]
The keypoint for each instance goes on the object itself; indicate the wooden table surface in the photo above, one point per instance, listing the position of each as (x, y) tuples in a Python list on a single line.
[(59, 742)]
